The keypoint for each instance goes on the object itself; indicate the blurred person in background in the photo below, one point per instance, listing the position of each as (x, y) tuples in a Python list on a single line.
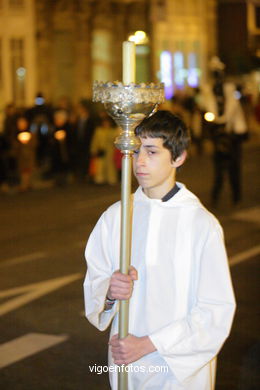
[(103, 151), (185, 105), (64, 103), (26, 153), (228, 129), (61, 149), (9, 141), (40, 116), (84, 130), (177, 107), (193, 116)]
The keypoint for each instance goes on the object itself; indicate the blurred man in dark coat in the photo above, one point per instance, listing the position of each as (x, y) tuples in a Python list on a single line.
[(84, 131)]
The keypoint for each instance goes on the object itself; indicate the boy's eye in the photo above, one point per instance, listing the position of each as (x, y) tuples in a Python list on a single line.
[(151, 152), (136, 151)]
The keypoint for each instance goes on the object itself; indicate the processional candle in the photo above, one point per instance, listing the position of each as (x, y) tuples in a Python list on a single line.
[(128, 62)]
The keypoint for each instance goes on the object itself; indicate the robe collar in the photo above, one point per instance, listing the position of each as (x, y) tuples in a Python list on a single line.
[(171, 193), (182, 198)]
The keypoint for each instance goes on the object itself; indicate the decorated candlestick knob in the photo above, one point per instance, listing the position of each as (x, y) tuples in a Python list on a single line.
[(128, 105)]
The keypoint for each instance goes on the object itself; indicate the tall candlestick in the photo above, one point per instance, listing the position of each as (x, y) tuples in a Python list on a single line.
[(128, 62), (127, 105)]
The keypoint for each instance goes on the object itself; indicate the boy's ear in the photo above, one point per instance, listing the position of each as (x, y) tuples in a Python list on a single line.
[(179, 160)]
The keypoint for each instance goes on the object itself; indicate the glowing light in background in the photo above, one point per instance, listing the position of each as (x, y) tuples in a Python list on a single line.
[(179, 71), (237, 95), (24, 137), (60, 135), (166, 73), (39, 100), (139, 38), (209, 116), (21, 72)]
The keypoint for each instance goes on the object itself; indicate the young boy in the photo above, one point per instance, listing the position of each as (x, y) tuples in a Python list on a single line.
[(182, 302)]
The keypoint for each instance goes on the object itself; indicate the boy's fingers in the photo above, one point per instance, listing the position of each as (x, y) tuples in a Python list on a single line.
[(133, 273), (114, 340), (119, 276)]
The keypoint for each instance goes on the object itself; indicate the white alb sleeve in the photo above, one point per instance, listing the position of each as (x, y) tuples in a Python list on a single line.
[(100, 269)]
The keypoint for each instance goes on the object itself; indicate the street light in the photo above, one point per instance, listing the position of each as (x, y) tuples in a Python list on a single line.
[(139, 38)]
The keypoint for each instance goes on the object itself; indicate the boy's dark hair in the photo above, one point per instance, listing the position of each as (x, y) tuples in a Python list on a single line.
[(163, 124)]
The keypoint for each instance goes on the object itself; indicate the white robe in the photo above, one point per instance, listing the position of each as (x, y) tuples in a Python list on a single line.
[(183, 299)]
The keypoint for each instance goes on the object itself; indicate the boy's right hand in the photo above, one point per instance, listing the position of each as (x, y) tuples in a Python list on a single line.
[(121, 285)]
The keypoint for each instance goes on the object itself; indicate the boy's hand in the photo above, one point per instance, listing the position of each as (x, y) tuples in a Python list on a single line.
[(121, 285), (130, 348)]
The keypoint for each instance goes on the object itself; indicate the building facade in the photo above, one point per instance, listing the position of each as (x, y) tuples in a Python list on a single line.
[(58, 47), (18, 78)]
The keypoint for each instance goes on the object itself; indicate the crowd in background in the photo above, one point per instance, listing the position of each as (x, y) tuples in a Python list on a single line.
[(66, 143), (59, 144)]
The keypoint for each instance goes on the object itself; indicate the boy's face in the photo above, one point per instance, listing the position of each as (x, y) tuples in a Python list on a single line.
[(154, 168)]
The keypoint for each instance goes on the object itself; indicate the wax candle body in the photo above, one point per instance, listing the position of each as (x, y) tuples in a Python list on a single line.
[(128, 62)]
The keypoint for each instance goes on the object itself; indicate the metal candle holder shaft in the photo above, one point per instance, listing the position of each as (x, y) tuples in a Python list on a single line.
[(127, 105)]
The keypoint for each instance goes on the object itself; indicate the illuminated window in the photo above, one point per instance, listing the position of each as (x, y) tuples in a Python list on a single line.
[(193, 74), (101, 55), (179, 71), (142, 64), (166, 73)]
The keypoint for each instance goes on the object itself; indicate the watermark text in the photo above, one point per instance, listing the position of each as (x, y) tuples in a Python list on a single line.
[(99, 369)]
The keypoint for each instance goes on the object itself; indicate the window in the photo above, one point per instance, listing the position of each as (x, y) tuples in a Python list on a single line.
[(18, 70), (193, 71), (179, 71), (167, 73)]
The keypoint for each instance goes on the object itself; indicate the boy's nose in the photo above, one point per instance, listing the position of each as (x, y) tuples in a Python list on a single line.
[(140, 158)]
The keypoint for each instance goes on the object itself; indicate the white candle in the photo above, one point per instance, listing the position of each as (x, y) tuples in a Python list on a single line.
[(128, 62)]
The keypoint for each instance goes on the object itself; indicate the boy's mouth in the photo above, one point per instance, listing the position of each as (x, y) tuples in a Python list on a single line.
[(141, 174)]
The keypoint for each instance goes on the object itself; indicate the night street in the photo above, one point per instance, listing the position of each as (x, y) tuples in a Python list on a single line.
[(45, 341)]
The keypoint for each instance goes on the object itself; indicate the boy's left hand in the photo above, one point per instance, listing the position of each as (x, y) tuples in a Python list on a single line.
[(130, 348)]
